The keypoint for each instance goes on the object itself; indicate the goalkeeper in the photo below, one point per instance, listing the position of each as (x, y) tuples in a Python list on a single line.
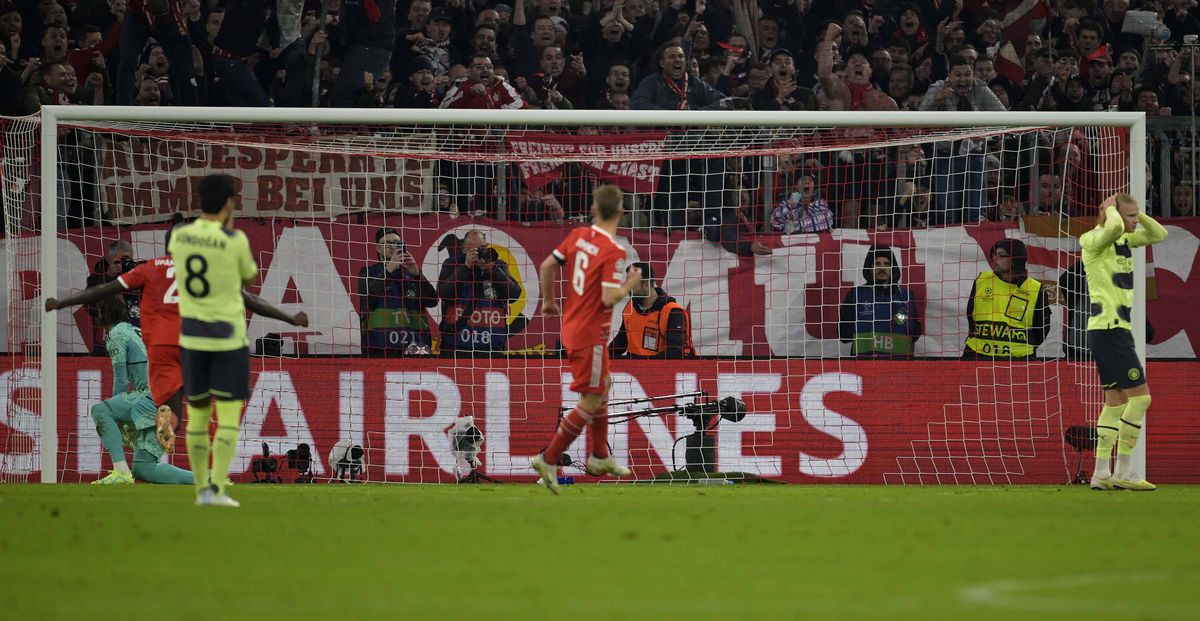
[(129, 418), (1108, 263)]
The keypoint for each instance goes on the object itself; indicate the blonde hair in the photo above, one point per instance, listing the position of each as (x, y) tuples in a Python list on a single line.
[(1118, 199), (608, 200)]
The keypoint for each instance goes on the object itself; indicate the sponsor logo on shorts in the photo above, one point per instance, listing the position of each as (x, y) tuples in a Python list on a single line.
[(1134, 374)]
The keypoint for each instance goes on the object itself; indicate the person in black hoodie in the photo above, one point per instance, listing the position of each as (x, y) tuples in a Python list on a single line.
[(880, 317), (654, 325)]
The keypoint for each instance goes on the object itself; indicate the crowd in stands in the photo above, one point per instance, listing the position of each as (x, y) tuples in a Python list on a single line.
[(880, 55)]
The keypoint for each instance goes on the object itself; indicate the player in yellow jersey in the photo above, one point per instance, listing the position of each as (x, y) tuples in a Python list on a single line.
[(1108, 263), (212, 262)]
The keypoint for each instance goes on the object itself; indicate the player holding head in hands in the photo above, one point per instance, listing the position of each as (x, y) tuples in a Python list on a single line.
[(596, 267), (212, 262), (1108, 263)]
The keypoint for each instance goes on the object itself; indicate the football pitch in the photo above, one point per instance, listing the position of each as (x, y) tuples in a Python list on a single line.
[(600, 552)]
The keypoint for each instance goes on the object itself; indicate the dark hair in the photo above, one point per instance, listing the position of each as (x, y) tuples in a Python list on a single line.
[(1088, 24), (472, 57), (111, 311), (959, 60), (215, 191), (647, 273), (661, 53)]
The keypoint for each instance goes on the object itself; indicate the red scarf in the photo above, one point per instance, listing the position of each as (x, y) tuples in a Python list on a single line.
[(858, 95), (681, 92)]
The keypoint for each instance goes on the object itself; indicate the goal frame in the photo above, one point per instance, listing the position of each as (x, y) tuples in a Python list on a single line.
[(53, 116)]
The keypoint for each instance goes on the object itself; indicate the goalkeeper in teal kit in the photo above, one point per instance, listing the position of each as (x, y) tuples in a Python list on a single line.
[(129, 418)]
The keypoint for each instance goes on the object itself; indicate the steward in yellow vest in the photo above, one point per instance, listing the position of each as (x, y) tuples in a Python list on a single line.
[(654, 325), (1007, 312)]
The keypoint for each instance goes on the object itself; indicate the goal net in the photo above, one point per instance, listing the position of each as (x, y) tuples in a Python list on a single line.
[(767, 229)]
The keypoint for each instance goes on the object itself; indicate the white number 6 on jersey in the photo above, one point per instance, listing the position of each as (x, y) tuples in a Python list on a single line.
[(577, 275)]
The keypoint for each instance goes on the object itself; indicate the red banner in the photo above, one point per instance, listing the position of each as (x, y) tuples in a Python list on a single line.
[(617, 157), (809, 421)]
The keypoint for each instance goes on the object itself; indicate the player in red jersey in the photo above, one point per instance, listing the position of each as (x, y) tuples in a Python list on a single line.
[(159, 308), (597, 268)]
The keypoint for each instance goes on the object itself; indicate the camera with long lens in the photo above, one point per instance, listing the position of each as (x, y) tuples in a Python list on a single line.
[(300, 460), (265, 467), (487, 254)]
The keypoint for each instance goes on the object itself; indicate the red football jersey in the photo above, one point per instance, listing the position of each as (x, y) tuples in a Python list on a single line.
[(160, 302), (593, 260)]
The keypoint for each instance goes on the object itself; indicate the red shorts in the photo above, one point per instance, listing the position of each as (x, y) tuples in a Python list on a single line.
[(589, 368), (166, 376)]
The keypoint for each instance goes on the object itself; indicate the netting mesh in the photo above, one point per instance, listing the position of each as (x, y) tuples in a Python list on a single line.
[(766, 236)]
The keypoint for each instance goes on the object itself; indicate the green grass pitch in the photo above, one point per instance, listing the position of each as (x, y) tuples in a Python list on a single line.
[(608, 552)]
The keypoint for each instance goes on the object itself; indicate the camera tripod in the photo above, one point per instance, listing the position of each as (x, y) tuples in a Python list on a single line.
[(700, 446)]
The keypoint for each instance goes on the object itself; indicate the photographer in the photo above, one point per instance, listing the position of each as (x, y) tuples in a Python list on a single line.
[(395, 295), (476, 289), (117, 260)]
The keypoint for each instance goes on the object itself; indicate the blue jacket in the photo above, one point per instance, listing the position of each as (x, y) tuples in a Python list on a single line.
[(392, 310), (475, 306), (653, 94)]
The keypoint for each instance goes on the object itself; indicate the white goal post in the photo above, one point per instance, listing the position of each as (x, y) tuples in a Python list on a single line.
[(55, 117)]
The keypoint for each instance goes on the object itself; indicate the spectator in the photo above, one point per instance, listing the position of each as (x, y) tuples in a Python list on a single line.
[(900, 82), (1007, 312), (1120, 90), (1146, 99), (164, 21), (653, 324), (1050, 195), (394, 295), (475, 288), (613, 42), (1183, 201), (436, 46), (674, 89), (958, 181), (781, 91), (483, 41), (473, 182), (880, 318), (617, 82), (804, 211), (48, 92), (367, 33), (482, 88), (148, 94), (729, 226), (416, 88), (527, 43), (557, 86), (855, 92)]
